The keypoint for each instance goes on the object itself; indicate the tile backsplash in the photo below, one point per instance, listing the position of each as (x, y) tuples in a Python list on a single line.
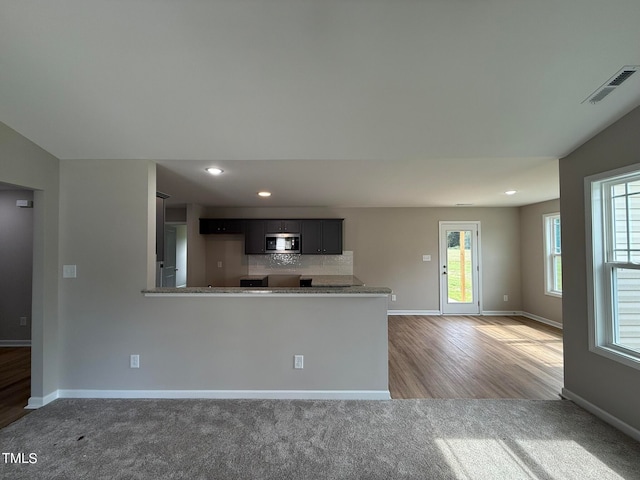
[(295, 264)]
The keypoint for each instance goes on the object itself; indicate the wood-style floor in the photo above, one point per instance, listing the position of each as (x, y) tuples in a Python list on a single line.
[(474, 357), (15, 383)]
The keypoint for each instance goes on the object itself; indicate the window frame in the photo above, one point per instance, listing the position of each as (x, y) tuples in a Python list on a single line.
[(550, 255), (601, 303)]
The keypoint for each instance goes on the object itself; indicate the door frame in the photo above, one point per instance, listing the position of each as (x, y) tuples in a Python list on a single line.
[(474, 224)]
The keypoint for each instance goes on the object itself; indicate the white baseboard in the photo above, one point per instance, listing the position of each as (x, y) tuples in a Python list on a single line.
[(414, 312), (540, 319), (603, 415), (221, 394), (37, 402), (15, 343), (500, 313)]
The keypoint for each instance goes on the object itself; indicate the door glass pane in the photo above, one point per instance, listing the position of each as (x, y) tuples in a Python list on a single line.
[(627, 308), (459, 263)]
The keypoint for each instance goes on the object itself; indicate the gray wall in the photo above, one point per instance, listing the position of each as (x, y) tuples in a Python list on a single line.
[(534, 300), (611, 386), (25, 164), (188, 343), (16, 258), (105, 216), (388, 244)]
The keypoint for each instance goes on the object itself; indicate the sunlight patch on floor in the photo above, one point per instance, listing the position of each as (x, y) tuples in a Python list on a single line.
[(472, 459)]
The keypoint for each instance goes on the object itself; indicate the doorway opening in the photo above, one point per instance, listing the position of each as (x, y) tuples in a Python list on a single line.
[(175, 255), (16, 298)]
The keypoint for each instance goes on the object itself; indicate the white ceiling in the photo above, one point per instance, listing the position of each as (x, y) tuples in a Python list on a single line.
[(323, 102)]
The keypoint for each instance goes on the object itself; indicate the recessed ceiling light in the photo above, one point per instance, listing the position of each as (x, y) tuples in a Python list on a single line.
[(264, 194), (215, 171), (510, 192)]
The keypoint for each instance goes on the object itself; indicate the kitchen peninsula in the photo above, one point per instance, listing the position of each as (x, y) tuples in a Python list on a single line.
[(244, 341)]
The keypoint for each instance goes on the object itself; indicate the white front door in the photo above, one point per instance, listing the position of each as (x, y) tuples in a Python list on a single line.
[(459, 268)]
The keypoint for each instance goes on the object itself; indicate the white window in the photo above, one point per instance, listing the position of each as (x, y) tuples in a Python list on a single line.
[(614, 270), (553, 255)]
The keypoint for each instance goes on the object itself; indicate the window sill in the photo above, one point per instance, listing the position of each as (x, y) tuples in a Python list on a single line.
[(553, 294), (613, 353)]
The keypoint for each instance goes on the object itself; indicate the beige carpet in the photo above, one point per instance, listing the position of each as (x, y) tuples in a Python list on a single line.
[(256, 439)]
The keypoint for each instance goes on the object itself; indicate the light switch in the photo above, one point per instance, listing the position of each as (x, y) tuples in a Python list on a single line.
[(426, 258), (68, 271)]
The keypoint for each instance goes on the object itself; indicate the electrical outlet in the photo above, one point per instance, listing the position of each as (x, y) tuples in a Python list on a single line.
[(23, 321), (298, 361), (426, 258), (219, 264), (506, 298), (393, 297), (69, 271), (134, 361)]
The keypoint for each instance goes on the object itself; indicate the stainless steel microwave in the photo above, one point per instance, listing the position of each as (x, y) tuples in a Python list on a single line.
[(282, 243)]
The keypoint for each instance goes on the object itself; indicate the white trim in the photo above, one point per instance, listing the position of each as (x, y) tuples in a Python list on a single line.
[(37, 402), (414, 312), (540, 319), (547, 233), (15, 343), (220, 394), (501, 313), (488, 313), (602, 414), (599, 288), (553, 294)]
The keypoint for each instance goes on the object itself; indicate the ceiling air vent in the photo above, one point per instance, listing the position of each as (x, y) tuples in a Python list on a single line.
[(610, 85)]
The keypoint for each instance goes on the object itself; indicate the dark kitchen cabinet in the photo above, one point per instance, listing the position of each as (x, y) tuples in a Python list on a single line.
[(283, 226), (332, 237), (220, 225), (254, 241), (311, 237), (321, 237)]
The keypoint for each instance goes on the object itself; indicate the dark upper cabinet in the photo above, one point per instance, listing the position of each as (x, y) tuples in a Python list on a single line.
[(254, 241), (311, 237), (283, 226), (332, 237), (318, 236), (220, 225), (321, 237)]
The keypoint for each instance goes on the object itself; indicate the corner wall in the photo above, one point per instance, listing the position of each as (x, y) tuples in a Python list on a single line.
[(25, 164), (608, 385), (534, 299)]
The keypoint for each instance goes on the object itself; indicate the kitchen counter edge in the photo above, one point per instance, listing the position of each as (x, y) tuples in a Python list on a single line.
[(359, 291)]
